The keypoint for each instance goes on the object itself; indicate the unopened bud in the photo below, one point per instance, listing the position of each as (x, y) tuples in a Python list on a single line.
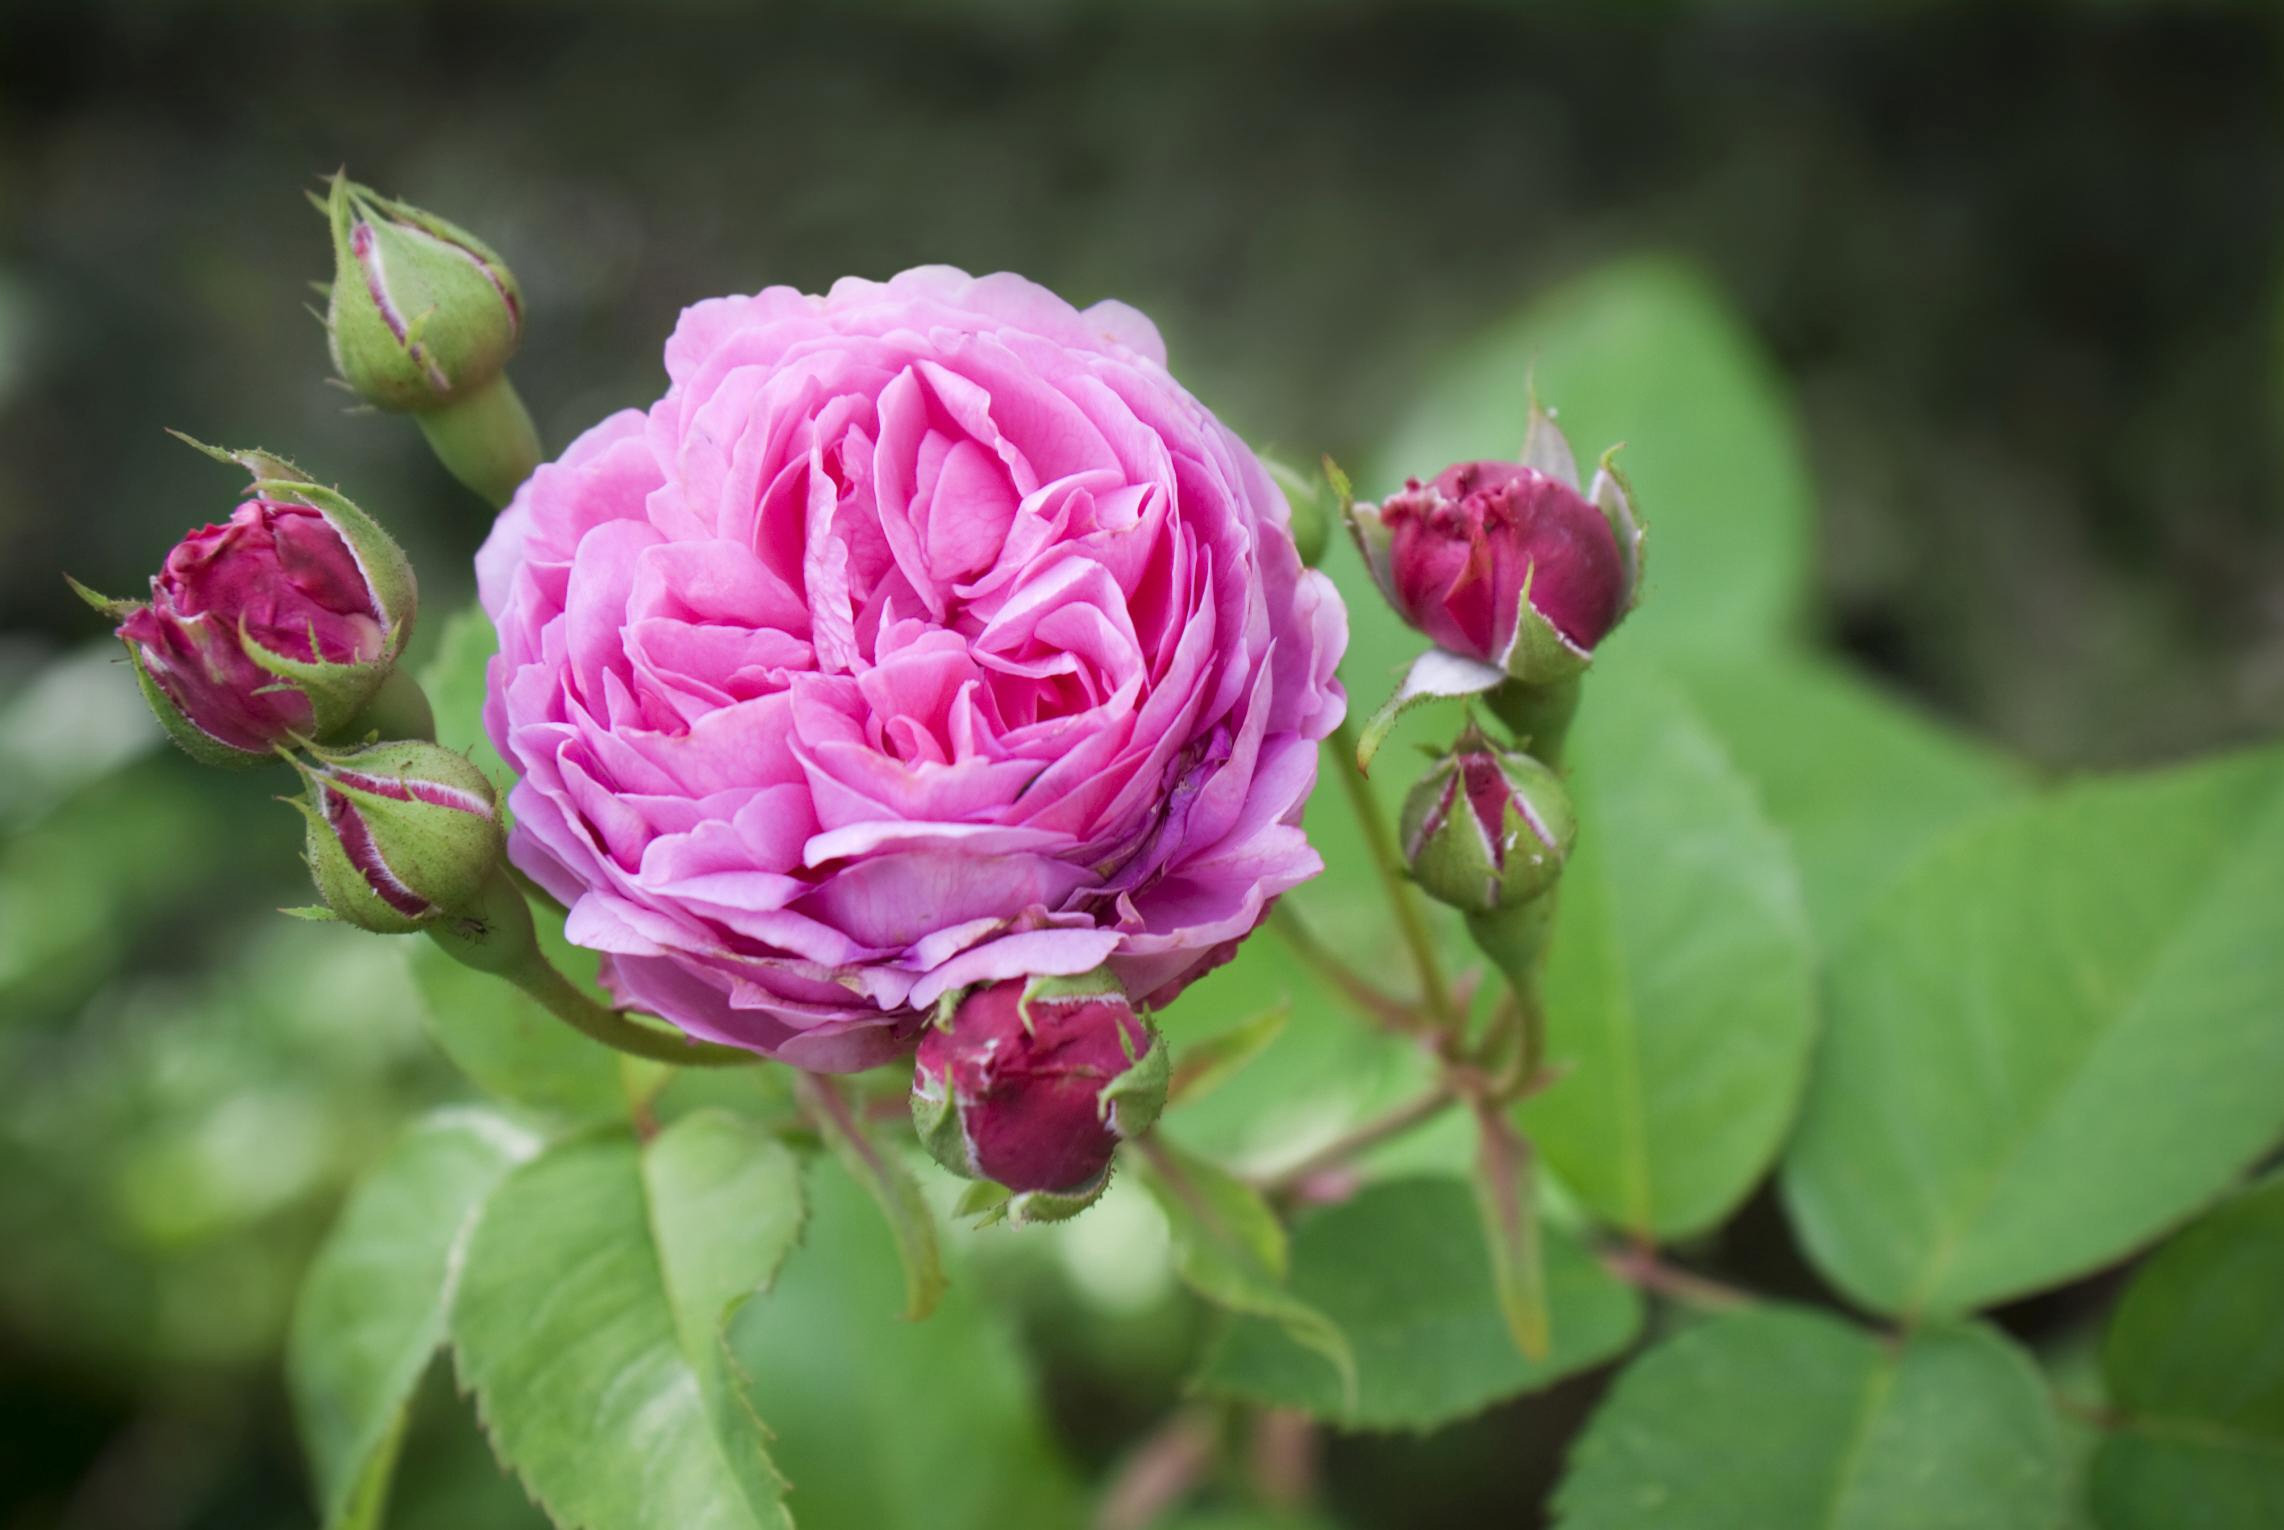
[(278, 624), (1033, 1084), (421, 311), (400, 834), (1487, 828), (1509, 564)]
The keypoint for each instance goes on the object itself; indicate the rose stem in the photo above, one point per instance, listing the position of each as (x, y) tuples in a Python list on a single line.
[(1382, 845), (1360, 1138), (1357, 989), (496, 936)]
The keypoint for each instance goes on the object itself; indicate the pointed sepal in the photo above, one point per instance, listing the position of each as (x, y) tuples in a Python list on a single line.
[(1545, 448), (1435, 674), (1614, 497), (1308, 498), (259, 465), (110, 608)]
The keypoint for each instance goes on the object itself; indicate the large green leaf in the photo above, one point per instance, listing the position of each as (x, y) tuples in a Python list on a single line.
[(589, 1324), (2050, 1041), (1774, 1418), (1403, 1272), (1681, 985), (1646, 352), (372, 1307), (890, 1425), (2195, 1365), (1861, 783)]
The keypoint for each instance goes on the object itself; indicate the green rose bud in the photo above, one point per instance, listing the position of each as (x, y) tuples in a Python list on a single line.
[(400, 834), (1487, 828), (421, 312)]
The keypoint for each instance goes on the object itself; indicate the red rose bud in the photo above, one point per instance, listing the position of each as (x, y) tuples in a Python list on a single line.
[(280, 623), (1034, 1084), (1509, 564), (421, 311), (400, 834), (1487, 828)]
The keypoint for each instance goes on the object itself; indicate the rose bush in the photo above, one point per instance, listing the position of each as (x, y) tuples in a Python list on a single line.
[(924, 634)]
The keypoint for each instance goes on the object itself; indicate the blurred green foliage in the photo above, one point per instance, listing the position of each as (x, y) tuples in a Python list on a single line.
[(1983, 388)]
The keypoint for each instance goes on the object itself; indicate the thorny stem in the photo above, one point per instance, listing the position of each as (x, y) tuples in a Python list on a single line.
[(1353, 1143), (1161, 1472), (485, 439), (1638, 1264), (1389, 866), (540, 979), (1359, 990), (494, 934)]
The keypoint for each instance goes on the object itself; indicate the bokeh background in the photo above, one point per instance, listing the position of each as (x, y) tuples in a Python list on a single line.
[(2011, 272)]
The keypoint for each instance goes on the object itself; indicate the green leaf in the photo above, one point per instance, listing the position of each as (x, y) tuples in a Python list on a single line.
[(372, 1307), (1403, 1271), (888, 1180), (1880, 787), (508, 1043), (1788, 1418), (1205, 1065), (1230, 1248), (1680, 989), (1646, 351), (2194, 1360), (895, 1426), (588, 1324), (2050, 1041)]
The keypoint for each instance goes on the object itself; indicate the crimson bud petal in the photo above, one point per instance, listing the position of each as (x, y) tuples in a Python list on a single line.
[(1508, 563), (1034, 1084)]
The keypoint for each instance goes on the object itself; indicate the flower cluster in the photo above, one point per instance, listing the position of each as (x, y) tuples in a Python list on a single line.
[(926, 673)]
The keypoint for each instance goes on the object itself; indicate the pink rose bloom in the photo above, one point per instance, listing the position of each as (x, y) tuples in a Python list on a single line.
[(925, 634)]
